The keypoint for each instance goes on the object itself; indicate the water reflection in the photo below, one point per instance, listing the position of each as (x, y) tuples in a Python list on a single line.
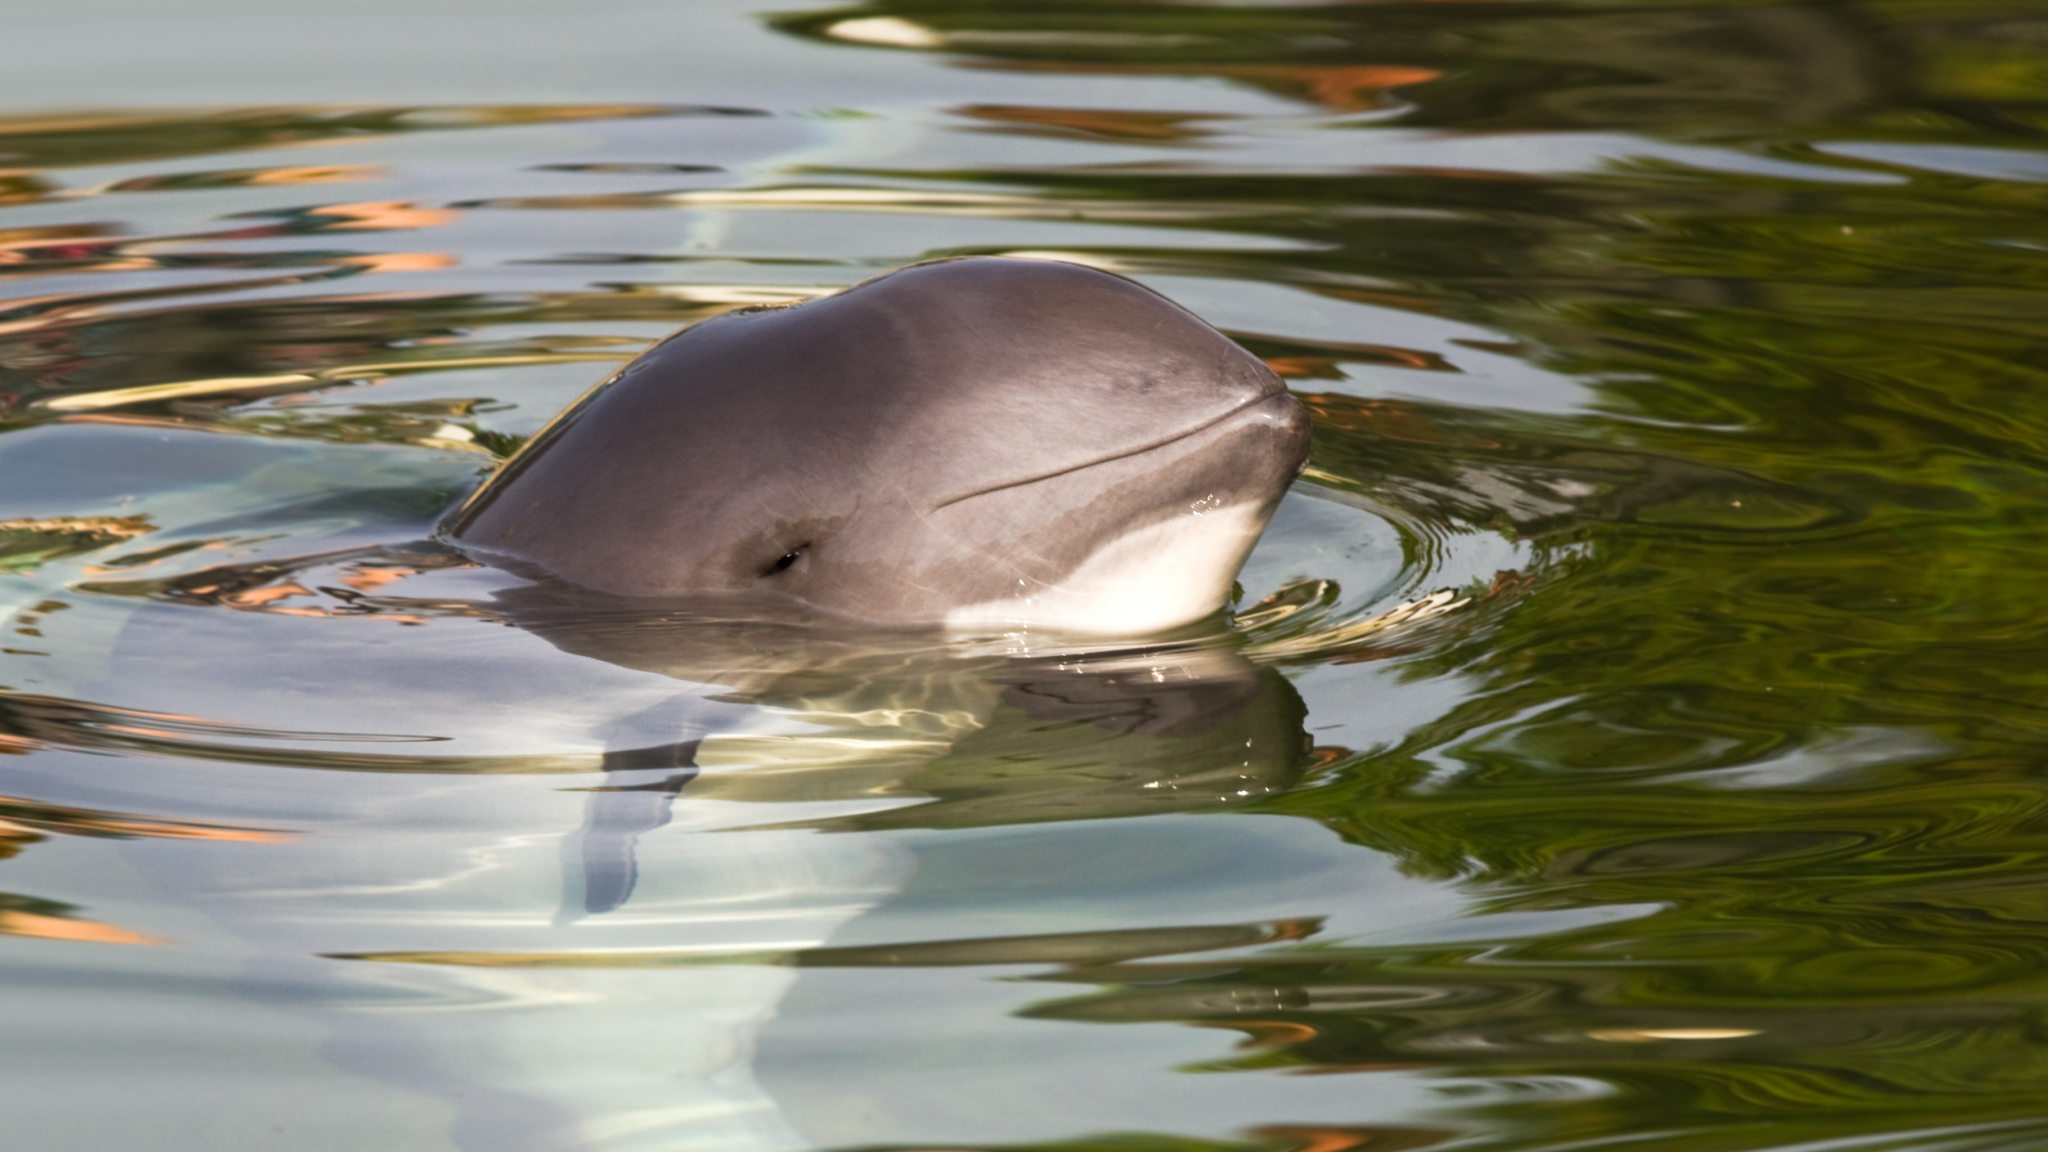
[(1691, 352), (489, 900), (26, 822)]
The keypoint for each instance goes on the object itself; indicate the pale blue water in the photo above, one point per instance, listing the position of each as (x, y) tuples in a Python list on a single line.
[(1677, 359)]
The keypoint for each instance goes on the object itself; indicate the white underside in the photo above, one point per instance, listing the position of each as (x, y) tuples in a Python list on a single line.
[(1160, 576)]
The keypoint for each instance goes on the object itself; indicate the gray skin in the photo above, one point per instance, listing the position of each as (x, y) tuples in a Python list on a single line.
[(951, 434)]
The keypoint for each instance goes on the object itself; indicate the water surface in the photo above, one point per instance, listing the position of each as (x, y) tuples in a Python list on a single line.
[(1674, 370)]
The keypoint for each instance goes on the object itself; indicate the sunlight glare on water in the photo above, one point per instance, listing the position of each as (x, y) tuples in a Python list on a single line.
[(1629, 735)]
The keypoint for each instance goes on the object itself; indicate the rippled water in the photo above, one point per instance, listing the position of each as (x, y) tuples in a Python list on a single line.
[(1634, 724)]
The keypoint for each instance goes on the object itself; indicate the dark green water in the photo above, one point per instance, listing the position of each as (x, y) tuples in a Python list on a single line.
[(1698, 352)]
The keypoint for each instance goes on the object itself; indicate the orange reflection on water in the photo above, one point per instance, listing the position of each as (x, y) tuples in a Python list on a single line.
[(26, 821), (1342, 87), (400, 261), (1389, 418), (1304, 367), (291, 174), (384, 214), (369, 579), (259, 597), (42, 927), (269, 598), (1347, 88)]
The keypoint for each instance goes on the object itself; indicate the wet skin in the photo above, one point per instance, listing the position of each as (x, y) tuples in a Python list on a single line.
[(981, 442)]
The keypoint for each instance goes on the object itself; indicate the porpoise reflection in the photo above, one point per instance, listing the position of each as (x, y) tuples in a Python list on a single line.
[(977, 443), (985, 736)]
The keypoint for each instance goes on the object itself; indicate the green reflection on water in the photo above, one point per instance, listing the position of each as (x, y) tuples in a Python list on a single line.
[(1730, 317)]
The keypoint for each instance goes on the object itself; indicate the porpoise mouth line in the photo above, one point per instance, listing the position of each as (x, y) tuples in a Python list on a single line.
[(1128, 452)]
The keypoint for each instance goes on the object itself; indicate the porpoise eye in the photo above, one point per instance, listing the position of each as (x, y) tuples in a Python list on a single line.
[(788, 558)]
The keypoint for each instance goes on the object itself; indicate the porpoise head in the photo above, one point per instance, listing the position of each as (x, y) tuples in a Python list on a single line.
[(980, 443)]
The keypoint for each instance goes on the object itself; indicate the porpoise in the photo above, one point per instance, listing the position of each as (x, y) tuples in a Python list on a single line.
[(978, 443), (974, 443)]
